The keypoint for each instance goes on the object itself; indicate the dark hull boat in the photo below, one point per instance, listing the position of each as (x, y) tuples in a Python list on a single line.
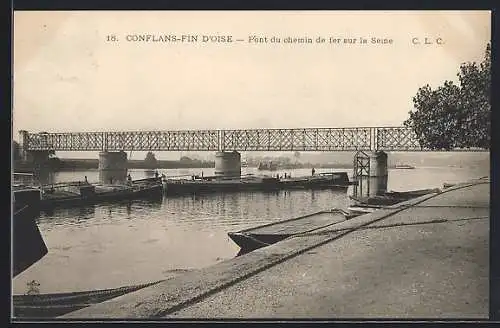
[(265, 235), (28, 244), (404, 167), (85, 194), (214, 185), (321, 181), (389, 198), (209, 185)]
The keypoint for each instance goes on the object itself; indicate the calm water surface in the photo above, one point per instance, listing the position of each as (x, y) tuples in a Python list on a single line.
[(113, 245)]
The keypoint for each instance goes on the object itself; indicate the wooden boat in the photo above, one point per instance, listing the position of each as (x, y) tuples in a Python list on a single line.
[(76, 194), (361, 210), (390, 198), (267, 234), (28, 245), (404, 167)]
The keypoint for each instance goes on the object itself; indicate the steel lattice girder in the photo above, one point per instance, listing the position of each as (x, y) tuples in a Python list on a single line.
[(66, 141), (146, 140), (361, 164), (396, 139), (163, 140), (310, 139), (321, 139)]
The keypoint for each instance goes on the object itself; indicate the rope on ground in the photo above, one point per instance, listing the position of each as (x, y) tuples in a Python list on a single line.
[(467, 185), (390, 226)]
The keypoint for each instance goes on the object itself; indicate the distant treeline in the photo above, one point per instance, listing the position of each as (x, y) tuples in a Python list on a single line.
[(57, 164), (311, 165), (160, 164)]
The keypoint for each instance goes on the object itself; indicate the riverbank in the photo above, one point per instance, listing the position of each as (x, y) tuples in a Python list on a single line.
[(61, 165), (92, 164), (399, 262)]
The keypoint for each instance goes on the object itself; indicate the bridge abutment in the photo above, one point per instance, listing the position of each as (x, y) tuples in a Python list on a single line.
[(372, 174), (112, 167), (39, 160), (228, 164)]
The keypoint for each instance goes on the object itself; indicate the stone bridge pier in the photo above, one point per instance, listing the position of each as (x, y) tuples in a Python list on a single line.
[(112, 167)]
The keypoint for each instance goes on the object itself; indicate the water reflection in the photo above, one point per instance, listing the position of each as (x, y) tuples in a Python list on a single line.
[(83, 211), (242, 208), (76, 215)]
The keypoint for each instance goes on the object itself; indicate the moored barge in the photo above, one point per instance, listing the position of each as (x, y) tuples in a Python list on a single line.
[(196, 184), (82, 193)]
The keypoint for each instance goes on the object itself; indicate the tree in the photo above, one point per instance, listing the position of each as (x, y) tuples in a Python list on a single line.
[(455, 116), (150, 159)]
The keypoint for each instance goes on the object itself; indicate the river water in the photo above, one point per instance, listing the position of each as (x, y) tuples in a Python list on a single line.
[(107, 246)]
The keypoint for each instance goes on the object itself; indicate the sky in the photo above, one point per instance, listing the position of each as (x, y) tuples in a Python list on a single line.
[(68, 77)]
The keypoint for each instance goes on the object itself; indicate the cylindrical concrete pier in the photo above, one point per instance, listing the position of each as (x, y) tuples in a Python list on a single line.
[(112, 167), (228, 164), (374, 181), (378, 164)]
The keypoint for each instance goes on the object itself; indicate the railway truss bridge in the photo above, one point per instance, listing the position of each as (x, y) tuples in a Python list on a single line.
[(307, 139)]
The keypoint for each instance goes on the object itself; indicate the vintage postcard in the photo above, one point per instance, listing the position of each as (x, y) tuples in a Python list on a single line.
[(251, 164)]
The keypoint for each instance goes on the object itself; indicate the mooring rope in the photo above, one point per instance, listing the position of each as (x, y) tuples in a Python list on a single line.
[(400, 224)]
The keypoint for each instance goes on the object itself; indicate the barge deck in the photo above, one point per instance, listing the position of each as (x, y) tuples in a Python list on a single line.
[(337, 180), (81, 193)]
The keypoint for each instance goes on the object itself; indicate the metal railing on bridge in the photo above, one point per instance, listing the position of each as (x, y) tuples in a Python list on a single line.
[(23, 179), (308, 139)]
